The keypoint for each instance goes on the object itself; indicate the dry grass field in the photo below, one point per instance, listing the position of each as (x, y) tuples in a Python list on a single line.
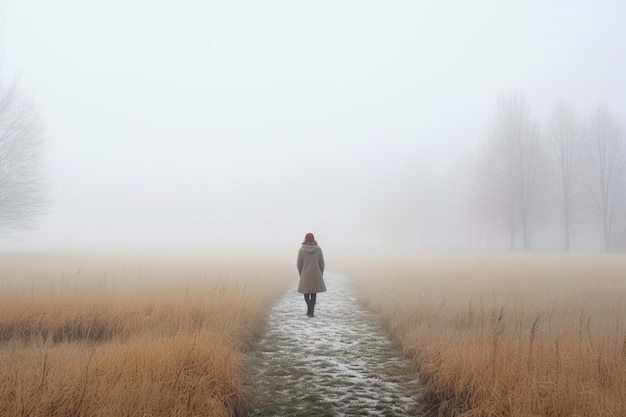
[(507, 334), (130, 336)]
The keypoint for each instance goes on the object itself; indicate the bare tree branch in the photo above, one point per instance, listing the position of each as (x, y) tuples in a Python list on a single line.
[(607, 171), (509, 181), (22, 187), (564, 145)]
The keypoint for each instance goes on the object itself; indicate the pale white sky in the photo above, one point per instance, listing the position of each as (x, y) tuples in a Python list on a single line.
[(196, 123)]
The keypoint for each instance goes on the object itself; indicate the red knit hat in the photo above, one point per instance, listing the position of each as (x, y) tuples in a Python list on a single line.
[(309, 237)]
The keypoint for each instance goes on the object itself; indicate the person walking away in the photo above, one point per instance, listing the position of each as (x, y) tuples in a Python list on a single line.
[(311, 269)]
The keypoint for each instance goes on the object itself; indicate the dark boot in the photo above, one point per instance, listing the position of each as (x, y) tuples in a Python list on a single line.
[(312, 303), (309, 310)]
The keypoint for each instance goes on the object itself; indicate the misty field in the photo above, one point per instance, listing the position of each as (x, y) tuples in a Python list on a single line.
[(490, 334), (507, 334), (130, 336)]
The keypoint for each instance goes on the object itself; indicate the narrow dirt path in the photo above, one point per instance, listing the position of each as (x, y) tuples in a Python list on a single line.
[(338, 363)]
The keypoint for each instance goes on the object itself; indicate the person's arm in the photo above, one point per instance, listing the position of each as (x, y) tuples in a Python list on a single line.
[(300, 262), (321, 260)]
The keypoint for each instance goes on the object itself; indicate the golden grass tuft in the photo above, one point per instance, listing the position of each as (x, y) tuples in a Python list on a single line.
[(124, 337), (508, 334)]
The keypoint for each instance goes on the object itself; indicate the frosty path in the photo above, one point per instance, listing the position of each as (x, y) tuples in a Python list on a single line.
[(338, 363)]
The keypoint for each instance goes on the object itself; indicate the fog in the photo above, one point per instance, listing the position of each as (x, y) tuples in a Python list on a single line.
[(239, 124)]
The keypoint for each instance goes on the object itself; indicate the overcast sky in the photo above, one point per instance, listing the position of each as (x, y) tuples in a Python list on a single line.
[(195, 123)]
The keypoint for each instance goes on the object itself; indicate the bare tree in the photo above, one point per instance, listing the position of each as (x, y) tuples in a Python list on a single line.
[(564, 143), (607, 170), (509, 183), (21, 180)]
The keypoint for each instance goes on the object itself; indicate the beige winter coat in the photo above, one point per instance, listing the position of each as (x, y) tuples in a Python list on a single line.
[(311, 269)]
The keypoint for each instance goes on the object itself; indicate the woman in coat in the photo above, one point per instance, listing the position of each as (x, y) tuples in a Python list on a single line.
[(311, 270)]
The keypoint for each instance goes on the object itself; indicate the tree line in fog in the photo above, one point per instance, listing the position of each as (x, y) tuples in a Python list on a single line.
[(566, 177), (558, 184), (554, 184)]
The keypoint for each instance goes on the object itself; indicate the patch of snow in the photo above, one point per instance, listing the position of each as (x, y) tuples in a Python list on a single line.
[(338, 363)]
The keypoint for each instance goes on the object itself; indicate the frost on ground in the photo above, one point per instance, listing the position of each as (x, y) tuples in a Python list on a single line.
[(338, 363)]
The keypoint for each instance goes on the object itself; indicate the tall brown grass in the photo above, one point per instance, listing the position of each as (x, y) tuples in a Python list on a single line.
[(130, 336), (507, 335)]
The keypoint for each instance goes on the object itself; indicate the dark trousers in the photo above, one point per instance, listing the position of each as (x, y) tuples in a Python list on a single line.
[(310, 303)]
